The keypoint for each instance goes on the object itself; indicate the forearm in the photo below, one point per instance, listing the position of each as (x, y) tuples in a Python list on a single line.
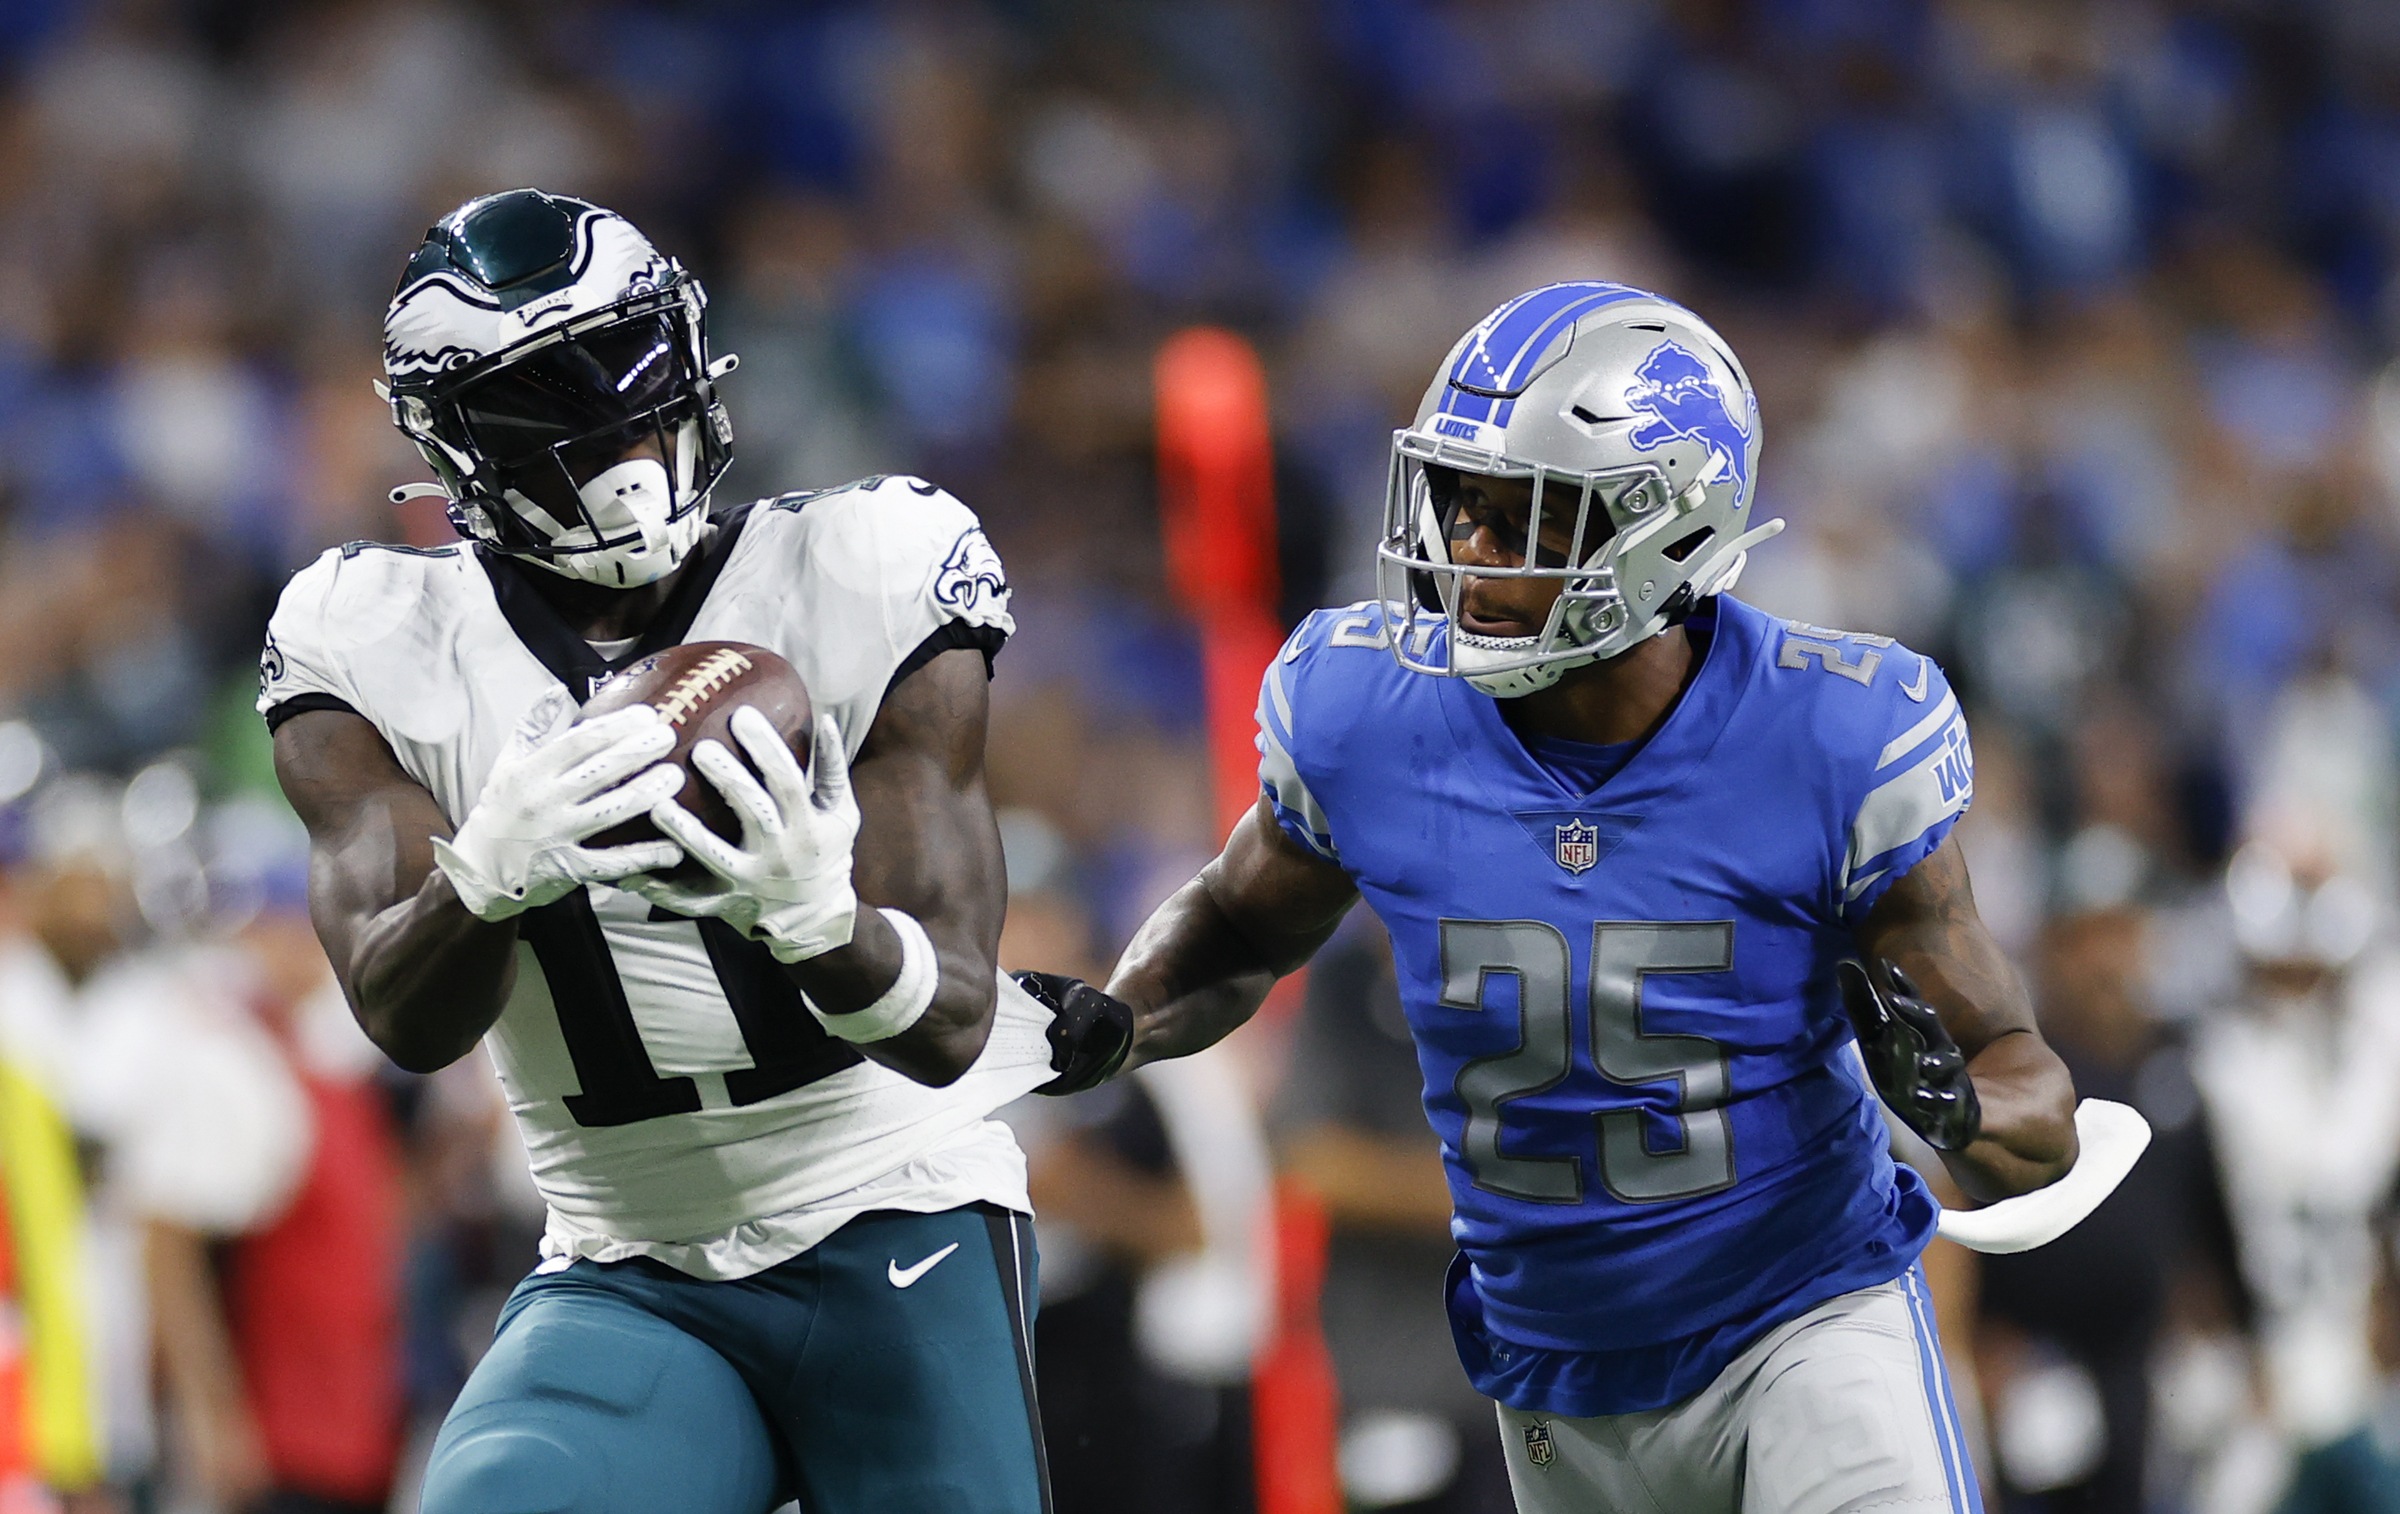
[(195, 1355), (2027, 1137), (950, 1035), (1192, 976), (928, 848), (2027, 1140), (1927, 926), (427, 979)]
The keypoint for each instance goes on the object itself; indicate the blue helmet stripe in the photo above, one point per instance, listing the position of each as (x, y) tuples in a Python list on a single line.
[(1491, 348), (1517, 334), (1534, 346), (1494, 342), (1473, 407)]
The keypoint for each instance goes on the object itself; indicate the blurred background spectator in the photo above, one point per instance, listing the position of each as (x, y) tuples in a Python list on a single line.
[(2074, 329), (1415, 1435)]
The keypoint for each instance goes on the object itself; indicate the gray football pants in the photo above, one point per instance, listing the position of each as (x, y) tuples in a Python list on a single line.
[(1846, 1408)]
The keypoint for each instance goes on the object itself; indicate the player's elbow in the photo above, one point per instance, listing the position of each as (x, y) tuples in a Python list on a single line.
[(405, 1037), (413, 1052), (416, 1054)]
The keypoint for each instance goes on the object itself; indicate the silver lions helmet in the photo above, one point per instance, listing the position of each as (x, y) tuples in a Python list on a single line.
[(536, 340), (1639, 433)]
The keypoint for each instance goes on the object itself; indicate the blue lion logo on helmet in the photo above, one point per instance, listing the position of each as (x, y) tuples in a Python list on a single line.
[(1682, 401)]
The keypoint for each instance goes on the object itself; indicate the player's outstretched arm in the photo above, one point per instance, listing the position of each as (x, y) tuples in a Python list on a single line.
[(425, 978), (927, 846), (1202, 963), (1926, 925)]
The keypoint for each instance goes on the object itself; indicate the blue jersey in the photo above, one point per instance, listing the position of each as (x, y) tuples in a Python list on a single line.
[(1658, 1144)]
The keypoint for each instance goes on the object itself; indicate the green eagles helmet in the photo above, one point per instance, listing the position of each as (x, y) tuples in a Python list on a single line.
[(535, 341)]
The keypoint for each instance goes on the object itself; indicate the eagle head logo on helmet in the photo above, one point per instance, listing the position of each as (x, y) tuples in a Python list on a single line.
[(1637, 433), (552, 368)]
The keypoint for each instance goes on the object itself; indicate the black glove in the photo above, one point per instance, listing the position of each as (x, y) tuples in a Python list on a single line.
[(1089, 1037), (1916, 1066)]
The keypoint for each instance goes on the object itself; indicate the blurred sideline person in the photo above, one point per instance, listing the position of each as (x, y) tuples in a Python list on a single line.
[(203, 1135), (293, 1323), (788, 1252), (58, 909), (1627, 834), (2301, 1083), (198, 1132), (1133, 1421), (2071, 1330), (72, 895), (1351, 1127)]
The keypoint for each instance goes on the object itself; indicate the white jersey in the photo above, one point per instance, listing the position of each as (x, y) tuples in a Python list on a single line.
[(676, 1098), (2304, 1100)]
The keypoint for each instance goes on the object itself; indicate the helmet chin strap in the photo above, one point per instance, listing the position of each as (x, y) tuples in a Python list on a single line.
[(635, 495), (1510, 683), (1718, 572)]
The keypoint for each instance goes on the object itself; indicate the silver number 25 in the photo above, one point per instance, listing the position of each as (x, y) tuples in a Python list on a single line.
[(1623, 955)]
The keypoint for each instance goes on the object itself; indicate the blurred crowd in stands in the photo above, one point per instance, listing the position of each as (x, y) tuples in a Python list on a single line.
[(2073, 325)]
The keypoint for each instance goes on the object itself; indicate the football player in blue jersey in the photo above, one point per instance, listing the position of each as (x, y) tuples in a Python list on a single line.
[(1647, 855)]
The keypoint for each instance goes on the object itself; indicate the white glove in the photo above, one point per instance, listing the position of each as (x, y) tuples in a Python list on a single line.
[(787, 885), (521, 846)]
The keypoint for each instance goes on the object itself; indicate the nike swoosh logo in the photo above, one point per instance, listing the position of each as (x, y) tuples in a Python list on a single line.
[(1924, 676), (903, 1276)]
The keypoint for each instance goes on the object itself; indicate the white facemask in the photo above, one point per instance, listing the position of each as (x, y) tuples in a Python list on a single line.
[(635, 495)]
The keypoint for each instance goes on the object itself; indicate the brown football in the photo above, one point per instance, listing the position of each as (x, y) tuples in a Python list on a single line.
[(697, 687)]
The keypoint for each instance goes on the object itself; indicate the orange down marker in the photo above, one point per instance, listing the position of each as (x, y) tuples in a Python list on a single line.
[(1216, 474)]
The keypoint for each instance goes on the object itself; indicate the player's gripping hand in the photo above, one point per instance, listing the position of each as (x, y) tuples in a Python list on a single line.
[(521, 846), (1090, 1035), (1916, 1066), (787, 884)]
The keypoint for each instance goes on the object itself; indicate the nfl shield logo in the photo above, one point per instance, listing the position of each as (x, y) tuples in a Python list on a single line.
[(1578, 846), (1538, 1449)]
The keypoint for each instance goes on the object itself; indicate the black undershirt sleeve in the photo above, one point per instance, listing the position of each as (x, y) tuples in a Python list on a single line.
[(301, 704), (952, 636)]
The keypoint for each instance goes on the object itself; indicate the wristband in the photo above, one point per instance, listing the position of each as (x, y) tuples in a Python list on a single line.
[(902, 1004)]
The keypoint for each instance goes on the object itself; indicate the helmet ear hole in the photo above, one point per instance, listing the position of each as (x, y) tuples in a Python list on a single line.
[(1682, 551)]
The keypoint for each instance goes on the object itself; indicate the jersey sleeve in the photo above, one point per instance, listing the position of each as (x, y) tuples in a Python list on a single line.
[(1287, 792), (944, 585), (297, 669), (1917, 777)]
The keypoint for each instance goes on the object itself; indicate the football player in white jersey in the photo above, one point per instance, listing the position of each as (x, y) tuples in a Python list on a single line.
[(787, 1252)]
